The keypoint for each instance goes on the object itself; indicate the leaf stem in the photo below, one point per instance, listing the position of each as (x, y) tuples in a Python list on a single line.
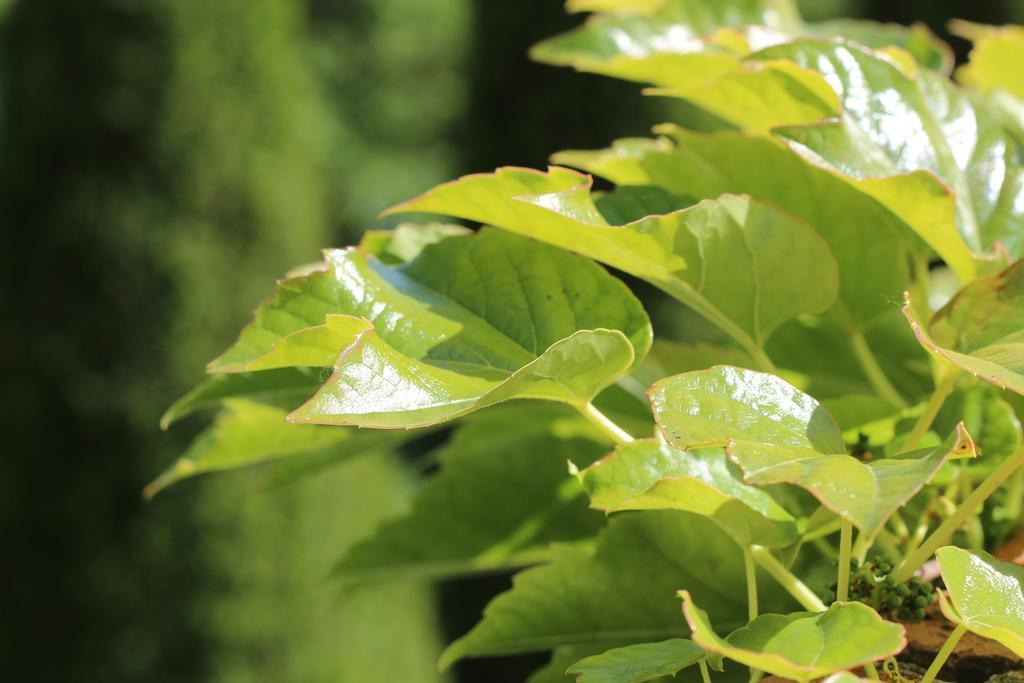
[(942, 391), (845, 547), (965, 509), (872, 370), (943, 655), (862, 546), (613, 431), (871, 671), (748, 564), (794, 586), (704, 673)]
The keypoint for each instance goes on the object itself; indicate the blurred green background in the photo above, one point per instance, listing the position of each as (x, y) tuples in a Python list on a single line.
[(162, 162)]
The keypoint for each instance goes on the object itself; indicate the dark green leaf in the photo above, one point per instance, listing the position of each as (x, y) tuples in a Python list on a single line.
[(502, 496)]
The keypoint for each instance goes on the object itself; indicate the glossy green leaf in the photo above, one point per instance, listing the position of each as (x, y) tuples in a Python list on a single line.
[(247, 432), (285, 388), (868, 493), (894, 124), (731, 260), (917, 39), (621, 593), (433, 339), (995, 59), (638, 663), (865, 237), (673, 42), (502, 496), (779, 435), (802, 645), (984, 594), (758, 96), (406, 241), (651, 475), (981, 330), (726, 403), (680, 42)]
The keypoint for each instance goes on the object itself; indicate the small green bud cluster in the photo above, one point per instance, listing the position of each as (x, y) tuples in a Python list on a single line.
[(874, 585)]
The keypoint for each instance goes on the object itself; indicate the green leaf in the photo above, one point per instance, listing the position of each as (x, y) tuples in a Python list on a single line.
[(779, 435), (726, 403), (638, 663), (620, 594), (917, 39), (990, 420), (984, 594), (894, 123), (667, 43), (438, 337), (742, 264), (995, 59), (758, 96), (406, 241), (247, 432), (680, 42), (286, 388), (865, 237), (651, 475), (981, 330), (502, 496), (802, 645), (867, 494)]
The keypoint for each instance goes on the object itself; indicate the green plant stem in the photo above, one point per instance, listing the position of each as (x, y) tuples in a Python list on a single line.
[(944, 653), (872, 370), (1015, 495), (794, 586), (826, 529), (752, 610), (704, 673), (899, 526), (942, 391), (613, 431), (871, 671), (748, 564), (965, 509), (890, 545), (862, 546), (845, 547)]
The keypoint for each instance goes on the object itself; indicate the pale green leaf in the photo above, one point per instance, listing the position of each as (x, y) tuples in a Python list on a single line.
[(732, 260), (621, 594), (374, 385), (638, 663), (917, 39), (726, 403), (681, 42), (984, 594), (247, 432), (865, 493), (996, 58), (650, 475), (803, 645), (502, 496), (981, 330), (758, 96)]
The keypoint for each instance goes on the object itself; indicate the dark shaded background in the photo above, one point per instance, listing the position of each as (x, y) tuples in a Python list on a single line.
[(162, 161)]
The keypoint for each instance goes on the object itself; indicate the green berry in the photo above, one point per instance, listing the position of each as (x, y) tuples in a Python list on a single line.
[(893, 602), (919, 613)]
